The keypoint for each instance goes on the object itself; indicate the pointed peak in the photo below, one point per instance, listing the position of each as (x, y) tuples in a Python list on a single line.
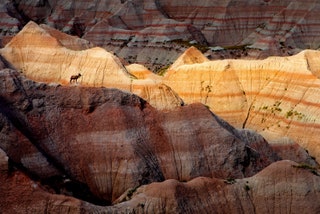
[(33, 35), (191, 56)]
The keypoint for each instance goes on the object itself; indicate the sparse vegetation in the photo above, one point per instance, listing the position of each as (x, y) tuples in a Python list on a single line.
[(272, 109), (304, 166), (292, 114), (161, 71), (230, 181), (208, 88), (208, 107), (246, 187), (185, 43), (131, 191), (275, 108), (237, 47)]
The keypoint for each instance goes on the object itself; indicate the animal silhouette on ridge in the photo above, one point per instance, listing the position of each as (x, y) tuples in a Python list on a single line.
[(75, 78)]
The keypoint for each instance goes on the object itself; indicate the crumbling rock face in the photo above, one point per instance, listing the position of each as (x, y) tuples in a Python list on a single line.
[(110, 141), (275, 96)]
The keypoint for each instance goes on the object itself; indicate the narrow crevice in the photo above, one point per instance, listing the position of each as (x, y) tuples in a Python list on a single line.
[(247, 116)]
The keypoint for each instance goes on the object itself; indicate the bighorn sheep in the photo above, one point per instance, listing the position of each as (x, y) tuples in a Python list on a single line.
[(74, 77)]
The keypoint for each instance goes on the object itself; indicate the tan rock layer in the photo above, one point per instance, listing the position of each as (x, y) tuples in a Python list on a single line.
[(276, 96)]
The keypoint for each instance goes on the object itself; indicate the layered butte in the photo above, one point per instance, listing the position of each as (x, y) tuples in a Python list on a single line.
[(44, 54)]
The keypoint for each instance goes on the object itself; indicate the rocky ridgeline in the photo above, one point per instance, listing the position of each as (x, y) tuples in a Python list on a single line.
[(154, 33), (43, 54)]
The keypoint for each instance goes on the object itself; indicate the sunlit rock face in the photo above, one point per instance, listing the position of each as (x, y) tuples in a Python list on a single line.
[(277, 96), (151, 32), (47, 55)]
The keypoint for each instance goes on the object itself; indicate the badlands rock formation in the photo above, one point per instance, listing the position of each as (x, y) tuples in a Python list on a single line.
[(95, 146), (110, 141), (156, 32), (56, 140), (276, 97)]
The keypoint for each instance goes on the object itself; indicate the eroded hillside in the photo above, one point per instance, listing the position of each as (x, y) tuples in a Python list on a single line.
[(112, 145)]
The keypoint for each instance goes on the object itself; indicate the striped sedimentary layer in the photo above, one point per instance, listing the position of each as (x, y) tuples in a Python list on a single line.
[(281, 187), (147, 31), (277, 96), (278, 188), (44, 54)]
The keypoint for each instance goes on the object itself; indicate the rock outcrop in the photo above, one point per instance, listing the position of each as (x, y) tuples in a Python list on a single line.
[(190, 56), (46, 55)]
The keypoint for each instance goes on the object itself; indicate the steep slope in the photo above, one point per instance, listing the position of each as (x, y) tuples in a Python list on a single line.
[(277, 96), (106, 141), (43, 54)]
